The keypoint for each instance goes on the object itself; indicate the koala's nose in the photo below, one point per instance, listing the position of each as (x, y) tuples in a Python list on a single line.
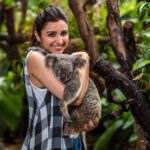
[(63, 76)]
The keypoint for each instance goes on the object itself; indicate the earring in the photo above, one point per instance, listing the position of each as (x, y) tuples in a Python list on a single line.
[(37, 36), (38, 39)]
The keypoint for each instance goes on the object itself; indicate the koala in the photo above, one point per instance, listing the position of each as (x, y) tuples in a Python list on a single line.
[(66, 68)]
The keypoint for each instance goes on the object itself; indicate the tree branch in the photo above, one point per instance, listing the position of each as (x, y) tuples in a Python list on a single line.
[(1, 14), (140, 108), (84, 29), (12, 51), (116, 35), (13, 38), (24, 10), (130, 41)]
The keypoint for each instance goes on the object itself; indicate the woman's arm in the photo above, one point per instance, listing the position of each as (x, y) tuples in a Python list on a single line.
[(84, 76), (42, 76)]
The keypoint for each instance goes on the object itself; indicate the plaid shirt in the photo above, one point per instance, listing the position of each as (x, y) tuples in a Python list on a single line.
[(45, 129)]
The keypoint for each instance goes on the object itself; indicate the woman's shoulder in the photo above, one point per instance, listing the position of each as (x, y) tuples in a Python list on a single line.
[(38, 50), (35, 59), (36, 68)]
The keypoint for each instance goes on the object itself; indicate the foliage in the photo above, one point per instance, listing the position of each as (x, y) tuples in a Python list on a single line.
[(142, 65), (119, 131), (144, 12), (11, 95), (117, 134)]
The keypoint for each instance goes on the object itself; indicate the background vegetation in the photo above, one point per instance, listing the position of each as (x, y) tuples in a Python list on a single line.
[(16, 20)]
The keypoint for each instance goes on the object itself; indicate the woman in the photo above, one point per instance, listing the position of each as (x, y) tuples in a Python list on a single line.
[(44, 91)]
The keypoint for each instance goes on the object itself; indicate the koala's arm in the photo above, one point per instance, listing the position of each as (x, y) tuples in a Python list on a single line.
[(43, 77), (84, 76), (72, 89)]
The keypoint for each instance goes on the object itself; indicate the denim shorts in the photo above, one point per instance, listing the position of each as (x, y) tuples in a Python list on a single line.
[(77, 143)]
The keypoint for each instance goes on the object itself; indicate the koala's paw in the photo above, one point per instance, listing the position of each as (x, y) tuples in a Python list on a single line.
[(64, 110), (67, 118)]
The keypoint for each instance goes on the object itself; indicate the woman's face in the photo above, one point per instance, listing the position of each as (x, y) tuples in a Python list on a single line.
[(54, 37)]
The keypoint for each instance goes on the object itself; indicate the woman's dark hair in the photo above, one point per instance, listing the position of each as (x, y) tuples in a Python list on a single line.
[(49, 14)]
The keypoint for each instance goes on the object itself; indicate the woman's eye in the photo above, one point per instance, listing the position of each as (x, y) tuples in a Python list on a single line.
[(64, 33), (52, 34)]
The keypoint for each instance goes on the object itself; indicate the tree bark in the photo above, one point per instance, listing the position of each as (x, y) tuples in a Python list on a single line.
[(117, 36), (1, 14), (18, 39), (130, 41), (12, 49), (85, 30), (23, 17)]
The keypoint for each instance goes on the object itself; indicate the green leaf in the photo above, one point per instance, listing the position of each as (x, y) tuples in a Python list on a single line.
[(142, 6), (11, 107), (129, 122), (140, 64), (133, 138), (146, 33), (9, 2), (139, 77), (103, 143)]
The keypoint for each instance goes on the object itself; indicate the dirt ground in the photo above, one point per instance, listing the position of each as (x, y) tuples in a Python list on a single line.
[(11, 147), (16, 146)]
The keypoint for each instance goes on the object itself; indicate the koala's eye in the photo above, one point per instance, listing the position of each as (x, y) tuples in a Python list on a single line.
[(70, 73), (57, 70)]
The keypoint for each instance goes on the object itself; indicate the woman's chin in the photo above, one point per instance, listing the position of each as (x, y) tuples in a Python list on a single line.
[(57, 51)]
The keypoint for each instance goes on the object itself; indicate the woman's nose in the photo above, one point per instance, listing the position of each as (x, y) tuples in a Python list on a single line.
[(59, 39)]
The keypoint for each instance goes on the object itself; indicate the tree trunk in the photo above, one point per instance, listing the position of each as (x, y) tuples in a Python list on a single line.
[(85, 30), (12, 50)]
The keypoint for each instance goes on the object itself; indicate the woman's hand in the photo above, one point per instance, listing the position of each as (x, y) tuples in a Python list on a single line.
[(77, 102), (83, 55), (91, 124)]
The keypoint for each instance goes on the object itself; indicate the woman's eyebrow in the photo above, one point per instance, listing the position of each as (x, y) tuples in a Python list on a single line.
[(65, 30), (51, 32), (56, 31)]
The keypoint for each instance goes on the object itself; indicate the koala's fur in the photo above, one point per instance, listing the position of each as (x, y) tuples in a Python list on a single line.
[(66, 69)]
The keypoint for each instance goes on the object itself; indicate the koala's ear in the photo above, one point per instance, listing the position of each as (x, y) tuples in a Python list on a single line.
[(50, 60), (78, 62)]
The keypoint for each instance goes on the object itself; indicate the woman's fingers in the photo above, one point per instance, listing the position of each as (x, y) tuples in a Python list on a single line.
[(83, 55), (77, 102), (91, 124)]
